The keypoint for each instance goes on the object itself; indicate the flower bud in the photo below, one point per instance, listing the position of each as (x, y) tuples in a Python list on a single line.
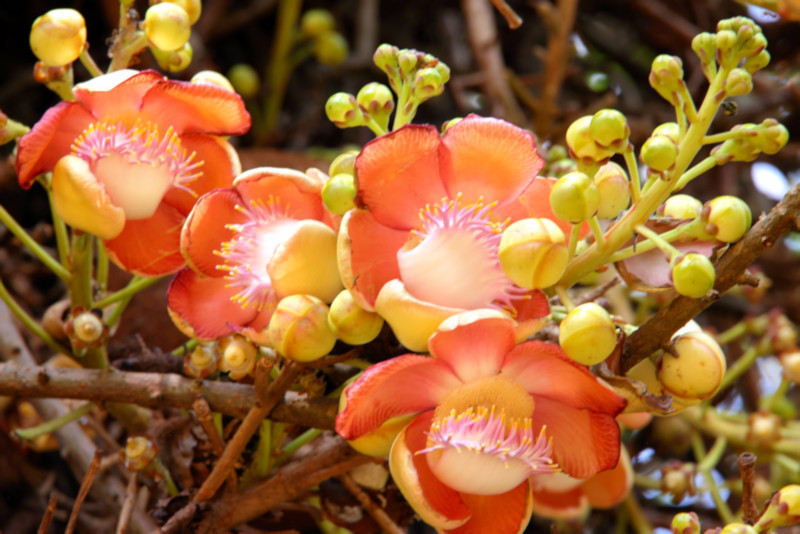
[(693, 275), (614, 188), (677, 479), (681, 206), (213, 78), (344, 163), (659, 153), (726, 39), (245, 79), (685, 523), (609, 128), (202, 362), (666, 77), (790, 362), (697, 371), (783, 509), (739, 82), (175, 60), (574, 197), (428, 83), (331, 48), (728, 218), (669, 129), (139, 452), (343, 110), (58, 37), (581, 143), (299, 330), (407, 62), (738, 528), (705, 46), (316, 22), (351, 323), (533, 253), (452, 122), (192, 8), (167, 26), (772, 137), (378, 100), (238, 356), (587, 334), (757, 62), (763, 429), (385, 58), (339, 193), (86, 328)]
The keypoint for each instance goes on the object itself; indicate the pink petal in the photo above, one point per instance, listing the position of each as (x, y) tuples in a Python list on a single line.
[(488, 158), (398, 175), (121, 101), (150, 247), (652, 267), (507, 513), (399, 386), (297, 192), (367, 255), (205, 231), (544, 371), (51, 138), (584, 442), (473, 343), (202, 307)]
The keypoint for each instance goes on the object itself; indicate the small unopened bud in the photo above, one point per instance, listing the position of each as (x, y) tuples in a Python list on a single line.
[(428, 83), (669, 129), (772, 137), (614, 188), (139, 452), (202, 362), (449, 124), (344, 163), (763, 429), (666, 77), (167, 26), (213, 78), (695, 374), (533, 253), (331, 48), (677, 479), (299, 330), (343, 111), (245, 79), (739, 82), (385, 58), (316, 22), (174, 60), (238, 356), (728, 218), (574, 197), (693, 275), (705, 46), (738, 528), (86, 328), (581, 143), (783, 509), (685, 523), (407, 62), (58, 37), (681, 206), (610, 129), (351, 323), (339, 193), (659, 153), (377, 99), (193, 8), (587, 334), (790, 362), (757, 62)]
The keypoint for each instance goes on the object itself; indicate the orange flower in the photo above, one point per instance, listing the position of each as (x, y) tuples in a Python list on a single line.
[(130, 155), (489, 422)]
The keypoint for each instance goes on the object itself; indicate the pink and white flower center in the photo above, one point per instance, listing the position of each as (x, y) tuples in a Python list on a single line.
[(136, 163), (248, 254), (452, 259)]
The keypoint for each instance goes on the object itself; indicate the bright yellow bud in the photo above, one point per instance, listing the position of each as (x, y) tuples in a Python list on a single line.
[(582, 144), (167, 26), (693, 275), (299, 330), (697, 372), (587, 334), (58, 37), (783, 509), (533, 253), (614, 188), (351, 323), (574, 197), (609, 128), (681, 206), (728, 218), (659, 153)]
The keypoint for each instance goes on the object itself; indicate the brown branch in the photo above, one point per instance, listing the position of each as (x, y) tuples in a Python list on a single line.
[(48, 515), (380, 516), (127, 505), (764, 234), (157, 390), (86, 485), (747, 462), (514, 20)]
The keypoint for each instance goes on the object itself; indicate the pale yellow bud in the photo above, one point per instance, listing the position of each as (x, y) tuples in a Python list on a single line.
[(351, 323), (614, 188), (587, 334), (213, 78), (58, 37), (167, 26), (533, 253), (238, 356), (697, 372), (299, 328)]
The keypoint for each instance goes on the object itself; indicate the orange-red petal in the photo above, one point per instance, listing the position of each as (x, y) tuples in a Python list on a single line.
[(507, 513), (567, 504), (297, 192), (399, 386), (398, 175), (607, 488), (488, 158), (205, 229), (117, 95)]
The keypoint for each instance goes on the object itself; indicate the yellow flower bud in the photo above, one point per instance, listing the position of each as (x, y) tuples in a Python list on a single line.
[(728, 218), (697, 372), (533, 253), (174, 60), (238, 356), (378, 100), (659, 152), (693, 275), (581, 143), (58, 37), (783, 509), (669, 129), (299, 328), (192, 8), (139, 452), (738, 528), (88, 327), (587, 334), (339, 193), (213, 78), (167, 26), (739, 82), (681, 206), (331, 48), (609, 128), (351, 323), (344, 163), (614, 188), (316, 22), (385, 58), (685, 523), (666, 77), (244, 79), (574, 197), (343, 110), (202, 362)]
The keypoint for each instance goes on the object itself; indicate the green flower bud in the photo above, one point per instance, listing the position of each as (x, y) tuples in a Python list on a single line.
[(614, 187), (581, 143), (609, 128), (773, 136), (351, 323), (757, 62), (192, 8), (175, 60), (556, 153), (343, 111), (739, 82), (339, 193), (428, 83), (659, 153), (533, 253), (443, 70), (705, 46), (681, 206), (344, 163), (728, 218), (696, 373), (316, 22), (331, 48), (167, 26), (378, 100), (693, 275), (407, 61), (202, 362), (238, 356), (212, 77), (587, 334), (685, 523), (726, 40), (385, 58), (245, 79), (783, 509), (738, 528), (299, 330), (666, 77), (58, 37), (574, 197), (669, 129)]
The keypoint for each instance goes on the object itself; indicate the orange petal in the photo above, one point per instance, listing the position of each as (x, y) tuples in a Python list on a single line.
[(399, 386), (440, 506), (507, 513), (608, 488), (297, 192), (398, 175), (50, 139), (488, 158), (367, 255), (205, 231), (117, 95), (551, 503), (150, 247), (196, 108), (531, 316), (473, 343), (202, 308)]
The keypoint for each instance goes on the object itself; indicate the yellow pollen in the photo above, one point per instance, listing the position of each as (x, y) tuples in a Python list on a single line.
[(508, 397)]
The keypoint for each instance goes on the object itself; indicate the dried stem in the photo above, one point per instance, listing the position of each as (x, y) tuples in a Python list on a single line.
[(86, 485), (203, 412), (378, 514), (747, 462), (48, 514), (514, 20), (127, 505)]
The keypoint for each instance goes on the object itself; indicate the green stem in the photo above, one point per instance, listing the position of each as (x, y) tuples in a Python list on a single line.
[(658, 241), (739, 367), (29, 322), (159, 468), (406, 109), (594, 224), (54, 424), (638, 518), (90, 65), (723, 509), (724, 136), (59, 226), (574, 236), (376, 128), (633, 172), (279, 66), (564, 297), (136, 284), (80, 288), (714, 455), (101, 278), (299, 441), (185, 349), (704, 166), (33, 246), (669, 236), (733, 333)]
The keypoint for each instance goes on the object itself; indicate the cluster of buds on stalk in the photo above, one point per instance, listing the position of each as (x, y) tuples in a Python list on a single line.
[(167, 26), (329, 46)]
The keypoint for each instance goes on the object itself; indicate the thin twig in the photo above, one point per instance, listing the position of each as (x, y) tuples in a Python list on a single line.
[(48, 514), (380, 516), (514, 20), (203, 412), (127, 505), (747, 462), (86, 485)]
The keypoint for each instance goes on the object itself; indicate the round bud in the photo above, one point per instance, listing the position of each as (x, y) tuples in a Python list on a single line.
[(681, 206), (757, 62), (407, 62), (728, 218), (88, 328), (738, 528), (58, 37), (339, 193), (587, 334), (783, 509), (351, 323), (139, 452), (344, 163), (532, 253), (428, 83), (213, 78), (378, 100), (609, 128), (693, 275), (739, 82), (669, 129), (167, 26), (175, 60), (316, 22), (202, 362), (343, 111), (790, 362), (659, 153), (385, 58), (685, 523), (581, 143), (615, 192), (666, 77), (697, 371), (331, 48), (772, 137), (238, 356), (245, 79), (192, 8), (299, 330), (574, 197)]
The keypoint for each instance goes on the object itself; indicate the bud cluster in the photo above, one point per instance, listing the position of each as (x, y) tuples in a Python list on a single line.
[(751, 140), (168, 27)]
